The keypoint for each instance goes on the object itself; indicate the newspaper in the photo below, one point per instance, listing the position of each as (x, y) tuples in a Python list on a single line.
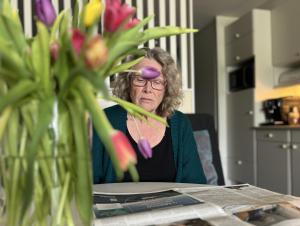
[(231, 205)]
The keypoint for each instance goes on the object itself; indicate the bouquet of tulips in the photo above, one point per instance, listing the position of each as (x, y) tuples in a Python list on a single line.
[(49, 85)]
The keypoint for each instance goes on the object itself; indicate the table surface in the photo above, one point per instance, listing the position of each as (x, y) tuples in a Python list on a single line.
[(140, 187)]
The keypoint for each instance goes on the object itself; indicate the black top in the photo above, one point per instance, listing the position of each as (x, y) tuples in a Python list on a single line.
[(161, 167)]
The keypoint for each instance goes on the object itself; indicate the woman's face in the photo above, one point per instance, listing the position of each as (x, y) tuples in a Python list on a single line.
[(147, 97)]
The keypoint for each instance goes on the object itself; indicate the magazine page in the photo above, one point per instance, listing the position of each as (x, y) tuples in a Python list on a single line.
[(157, 208)]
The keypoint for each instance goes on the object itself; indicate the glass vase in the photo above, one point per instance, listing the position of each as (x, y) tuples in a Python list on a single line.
[(42, 169)]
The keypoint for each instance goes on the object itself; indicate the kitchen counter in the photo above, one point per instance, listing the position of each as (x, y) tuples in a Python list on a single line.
[(277, 127)]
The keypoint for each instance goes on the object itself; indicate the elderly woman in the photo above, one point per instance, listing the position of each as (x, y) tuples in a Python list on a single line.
[(175, 157)]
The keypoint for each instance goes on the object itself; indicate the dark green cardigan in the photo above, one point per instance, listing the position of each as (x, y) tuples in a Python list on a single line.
[(187, 162)]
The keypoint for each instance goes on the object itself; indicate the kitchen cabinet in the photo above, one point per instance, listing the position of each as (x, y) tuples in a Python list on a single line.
[(240, 119), (286, 33), (235, 113), (247, 37), (239, 40), (278, 157)]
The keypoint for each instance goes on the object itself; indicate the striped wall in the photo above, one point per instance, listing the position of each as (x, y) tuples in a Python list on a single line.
[(167, 12)]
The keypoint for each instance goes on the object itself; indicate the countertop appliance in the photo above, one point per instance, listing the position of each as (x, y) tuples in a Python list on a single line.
[(277, 110), (272, 110)]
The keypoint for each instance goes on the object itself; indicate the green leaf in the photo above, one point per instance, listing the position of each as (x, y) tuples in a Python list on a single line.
[(4, 119), (100, 121), (15, 33), (62, 67), (122, 43), (20, 90), (129, 34), (83, 181), (8, 75), (136, 110), (55, 27), (40, 129), (75, 15), (157, 32), (125, 66), (94, 79), (41, 58), (115, 53), (11, 60)]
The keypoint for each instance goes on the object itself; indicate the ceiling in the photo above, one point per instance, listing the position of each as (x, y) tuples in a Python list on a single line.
[(206, 10)]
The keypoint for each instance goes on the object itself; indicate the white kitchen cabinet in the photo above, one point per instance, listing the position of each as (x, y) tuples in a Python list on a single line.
[(239, 50), (286, 33), (278, 157), (239, 40)]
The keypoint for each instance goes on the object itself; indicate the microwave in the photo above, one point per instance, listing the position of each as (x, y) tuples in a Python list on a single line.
[(243, 77)]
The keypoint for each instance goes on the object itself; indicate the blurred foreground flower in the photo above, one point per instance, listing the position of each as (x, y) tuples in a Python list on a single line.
[(49, 86), (125, 153), (149, 72), (45, 11), (145, 148), (92, 12), (96, 53), (116, 14)]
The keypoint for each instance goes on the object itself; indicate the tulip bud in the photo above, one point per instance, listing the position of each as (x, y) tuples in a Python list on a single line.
[(149, 72), (45, 11), (77, 39), (145, 148), (96, 53), (124, 151), (54, 50), (92, 12)]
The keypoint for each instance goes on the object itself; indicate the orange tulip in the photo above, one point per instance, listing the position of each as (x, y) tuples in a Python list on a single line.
[(96, 53), (124, 151)]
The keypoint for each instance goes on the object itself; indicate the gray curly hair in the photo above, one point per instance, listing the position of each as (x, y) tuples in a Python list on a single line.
[(173, 93)]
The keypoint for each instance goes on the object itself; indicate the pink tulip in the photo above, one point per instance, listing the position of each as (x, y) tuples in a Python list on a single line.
[(78, 39), (96, 53), (116, 13), (131, 23), (124, 151)]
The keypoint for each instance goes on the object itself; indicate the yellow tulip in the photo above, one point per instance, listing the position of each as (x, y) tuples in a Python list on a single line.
[(92, 12)]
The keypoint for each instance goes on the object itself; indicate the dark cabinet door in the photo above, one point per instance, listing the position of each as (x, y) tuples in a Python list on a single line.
[(295, 162), (272, 165)]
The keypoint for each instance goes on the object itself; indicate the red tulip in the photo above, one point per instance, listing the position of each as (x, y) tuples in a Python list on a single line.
[(124, 151), (78, 39), (116, 14), (96, 53)]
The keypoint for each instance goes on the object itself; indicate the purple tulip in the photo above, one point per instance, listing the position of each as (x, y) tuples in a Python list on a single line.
[(149, 72), (145, 148), (45, 11)]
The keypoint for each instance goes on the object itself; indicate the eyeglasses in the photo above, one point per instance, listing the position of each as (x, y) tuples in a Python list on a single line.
[(156, 84)]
